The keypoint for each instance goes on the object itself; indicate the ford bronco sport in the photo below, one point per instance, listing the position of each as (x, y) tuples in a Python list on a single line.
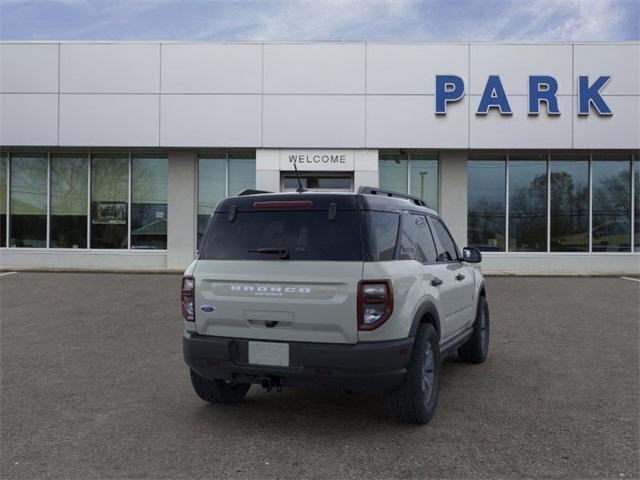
[(364, 292)]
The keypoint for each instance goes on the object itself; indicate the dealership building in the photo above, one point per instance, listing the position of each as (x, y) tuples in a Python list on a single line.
[(113, 155)]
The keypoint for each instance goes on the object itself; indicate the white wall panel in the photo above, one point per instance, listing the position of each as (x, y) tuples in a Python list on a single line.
[(109, 120), (411, 69), (218, 68), (210, 120), (29, 68), (109, 68), (620, 130), (514, 64), (397, 121), (28, 119), (322, 121), (314, 68), (620, 61), (521, 130)]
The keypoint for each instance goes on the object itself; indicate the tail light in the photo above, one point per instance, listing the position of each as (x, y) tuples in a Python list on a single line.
[(375, 303), (187, 297)]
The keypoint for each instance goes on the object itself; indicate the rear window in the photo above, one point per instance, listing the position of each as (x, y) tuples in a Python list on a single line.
[(303, 235)]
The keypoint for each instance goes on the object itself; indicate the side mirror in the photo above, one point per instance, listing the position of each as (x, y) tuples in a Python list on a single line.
[(471, 255)]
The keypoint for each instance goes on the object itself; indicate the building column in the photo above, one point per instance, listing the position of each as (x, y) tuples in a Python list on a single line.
[(268, 169), (365, 169), (181, 227), (453, 194)]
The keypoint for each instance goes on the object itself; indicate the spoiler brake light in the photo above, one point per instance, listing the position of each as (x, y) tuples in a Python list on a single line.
[(284, 204)]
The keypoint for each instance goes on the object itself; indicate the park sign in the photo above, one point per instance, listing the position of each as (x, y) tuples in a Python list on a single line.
[(542, 89)]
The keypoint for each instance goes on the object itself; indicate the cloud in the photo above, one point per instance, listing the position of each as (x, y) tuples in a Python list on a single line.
[(326, 20)]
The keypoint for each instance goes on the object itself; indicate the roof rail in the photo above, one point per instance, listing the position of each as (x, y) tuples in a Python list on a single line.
[(390, 193), (250, 191)]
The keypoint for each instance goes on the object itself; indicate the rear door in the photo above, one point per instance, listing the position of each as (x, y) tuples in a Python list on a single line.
[(279, 273)]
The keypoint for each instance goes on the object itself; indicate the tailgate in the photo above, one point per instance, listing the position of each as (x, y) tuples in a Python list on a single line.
[(297, 301)]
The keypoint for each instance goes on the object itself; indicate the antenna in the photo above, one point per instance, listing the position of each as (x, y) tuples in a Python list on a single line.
[(299, 189)]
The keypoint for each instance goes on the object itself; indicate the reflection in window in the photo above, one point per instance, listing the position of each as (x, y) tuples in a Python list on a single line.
[(28, 201), (149, 177), (69, 201), (393, 171), (315, 181), (221, 175), (242, 173), (569, 203), (109, 196), (486, 204), (212, 173), (424, 178), (3, 199), (611, 214), (636, 201), (528, 203)]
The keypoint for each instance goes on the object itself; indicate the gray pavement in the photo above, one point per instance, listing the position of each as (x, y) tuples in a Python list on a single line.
[(93, 386)]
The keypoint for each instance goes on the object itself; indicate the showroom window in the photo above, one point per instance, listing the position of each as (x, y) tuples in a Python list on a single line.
[(109, 201), (149, 193), (4, 166), (487, 203), (569, 198), (413, 172), (220, 175), (558, 202), (68, 209), (636, 201), (527, 203), (28, 201), (611, 187)]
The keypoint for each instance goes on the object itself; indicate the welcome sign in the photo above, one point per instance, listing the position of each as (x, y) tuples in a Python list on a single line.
[(317, 160)]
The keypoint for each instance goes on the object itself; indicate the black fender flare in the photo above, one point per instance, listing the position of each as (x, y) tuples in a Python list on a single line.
[(426, 308)]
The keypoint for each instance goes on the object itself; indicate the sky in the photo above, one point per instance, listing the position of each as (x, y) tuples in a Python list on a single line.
[(321, 20)]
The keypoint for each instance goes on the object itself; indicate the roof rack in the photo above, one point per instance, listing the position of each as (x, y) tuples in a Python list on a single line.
[(250, 191), (390, 193)]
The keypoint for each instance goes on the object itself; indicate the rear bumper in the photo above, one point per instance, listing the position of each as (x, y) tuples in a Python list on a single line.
[(364, 367)]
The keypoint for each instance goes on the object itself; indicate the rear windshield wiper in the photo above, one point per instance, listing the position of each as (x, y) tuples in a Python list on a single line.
[(283, 252)]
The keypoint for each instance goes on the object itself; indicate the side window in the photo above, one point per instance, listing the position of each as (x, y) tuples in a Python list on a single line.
[(424, 240), (449, 251), (406, 240), (416, 241)]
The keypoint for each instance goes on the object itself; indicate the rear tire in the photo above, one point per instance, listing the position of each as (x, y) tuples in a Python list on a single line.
[(415, 400), (476, 349), (218, 391)]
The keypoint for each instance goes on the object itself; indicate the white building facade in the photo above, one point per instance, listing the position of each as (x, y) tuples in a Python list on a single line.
[(113, 155)]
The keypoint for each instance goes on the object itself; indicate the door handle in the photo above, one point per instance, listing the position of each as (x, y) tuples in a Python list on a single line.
[(436, 282), (460, 277)]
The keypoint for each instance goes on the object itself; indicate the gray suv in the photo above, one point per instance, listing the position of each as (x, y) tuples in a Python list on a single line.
[(364, 292)]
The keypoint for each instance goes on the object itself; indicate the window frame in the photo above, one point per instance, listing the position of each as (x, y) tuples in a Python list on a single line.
[(409, 154)]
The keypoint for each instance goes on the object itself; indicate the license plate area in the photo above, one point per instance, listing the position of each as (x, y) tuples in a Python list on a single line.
[(269, 353)]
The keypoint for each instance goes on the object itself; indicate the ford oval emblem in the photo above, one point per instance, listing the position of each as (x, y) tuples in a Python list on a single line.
[(207, 308)]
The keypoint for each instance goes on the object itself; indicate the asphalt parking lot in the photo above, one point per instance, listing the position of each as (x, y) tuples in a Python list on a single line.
[(93, 386)]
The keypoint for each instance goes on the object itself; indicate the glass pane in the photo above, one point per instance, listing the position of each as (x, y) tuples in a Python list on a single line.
[(28, 201), (212, 175), (611, 230), (69, 201), (242, 175), (334, 182), (486, 204), (425, 244), (424, 179), (149, 184), (3, 200), (569, 203), (382, 232), (109, 194), (393, 172), (450, 252), (527, 205), (636, 202)]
